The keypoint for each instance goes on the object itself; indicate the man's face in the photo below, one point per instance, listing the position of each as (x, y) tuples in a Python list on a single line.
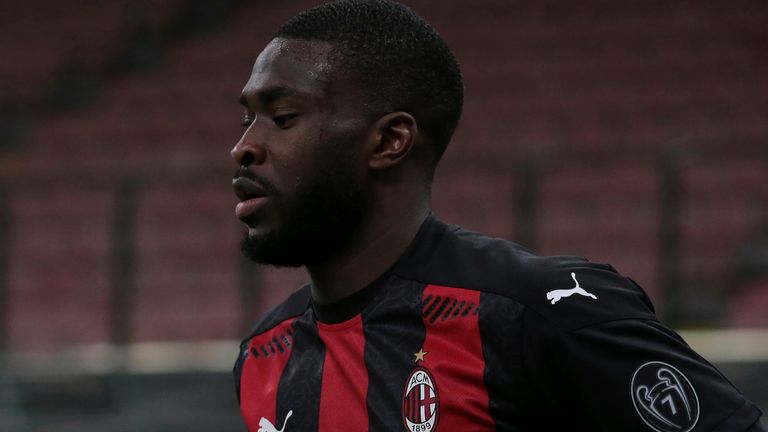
[(301, 176)]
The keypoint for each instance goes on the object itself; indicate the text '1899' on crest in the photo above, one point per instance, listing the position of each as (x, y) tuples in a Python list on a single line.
[(421, 405)]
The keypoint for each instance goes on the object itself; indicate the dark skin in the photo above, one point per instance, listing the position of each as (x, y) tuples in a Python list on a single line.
[(299, 104)]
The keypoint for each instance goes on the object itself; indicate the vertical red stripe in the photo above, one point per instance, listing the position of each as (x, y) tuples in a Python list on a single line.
[(260, 377), (455, 359), (416, 410), (345, 377), (410, 405)]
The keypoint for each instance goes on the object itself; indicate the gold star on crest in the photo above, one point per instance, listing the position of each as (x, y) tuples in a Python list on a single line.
[(420, 355)]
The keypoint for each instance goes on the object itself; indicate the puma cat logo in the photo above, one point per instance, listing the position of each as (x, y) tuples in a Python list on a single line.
[(267, 426), (556, 295)]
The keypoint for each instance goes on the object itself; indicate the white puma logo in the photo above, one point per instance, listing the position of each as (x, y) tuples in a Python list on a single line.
[(267, 426), (556, 295)]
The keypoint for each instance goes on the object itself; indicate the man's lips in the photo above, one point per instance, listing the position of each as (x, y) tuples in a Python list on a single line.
[(245, 209), (251, 196), (246, 188)]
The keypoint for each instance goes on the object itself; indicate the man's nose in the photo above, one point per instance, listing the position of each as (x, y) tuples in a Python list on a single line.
[(250, 149)]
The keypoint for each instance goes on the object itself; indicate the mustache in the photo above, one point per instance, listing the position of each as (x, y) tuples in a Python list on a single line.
[(243, 172)]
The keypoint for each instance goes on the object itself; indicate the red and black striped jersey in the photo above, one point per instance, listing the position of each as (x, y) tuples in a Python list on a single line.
[(471, 333)]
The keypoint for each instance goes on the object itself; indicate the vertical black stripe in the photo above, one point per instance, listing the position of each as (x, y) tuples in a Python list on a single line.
[(300, 384), (501, 336), (394, 331)]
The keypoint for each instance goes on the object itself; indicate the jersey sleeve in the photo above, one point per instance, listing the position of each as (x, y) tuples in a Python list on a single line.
[(631, 375)]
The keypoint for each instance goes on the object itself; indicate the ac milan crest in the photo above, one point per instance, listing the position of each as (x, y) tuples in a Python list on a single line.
[(421, 406)]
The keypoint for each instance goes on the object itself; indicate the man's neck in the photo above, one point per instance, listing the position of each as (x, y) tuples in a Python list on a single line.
[(377, 247)]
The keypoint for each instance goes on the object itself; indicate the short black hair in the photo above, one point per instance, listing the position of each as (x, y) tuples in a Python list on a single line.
[(396, 54)]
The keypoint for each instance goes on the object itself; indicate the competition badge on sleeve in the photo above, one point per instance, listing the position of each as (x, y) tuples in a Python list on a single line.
[(664, 398)]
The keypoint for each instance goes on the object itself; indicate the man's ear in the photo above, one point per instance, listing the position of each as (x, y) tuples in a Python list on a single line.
[(395, 137)]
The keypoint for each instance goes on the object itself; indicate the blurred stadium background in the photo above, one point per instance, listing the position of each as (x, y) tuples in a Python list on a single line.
[(631, 132)]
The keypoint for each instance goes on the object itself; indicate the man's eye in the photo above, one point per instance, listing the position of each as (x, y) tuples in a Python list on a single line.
[(247, 121), (284, 121)]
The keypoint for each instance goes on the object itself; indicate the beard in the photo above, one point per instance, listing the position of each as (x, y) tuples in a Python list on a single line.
[(317, 223)]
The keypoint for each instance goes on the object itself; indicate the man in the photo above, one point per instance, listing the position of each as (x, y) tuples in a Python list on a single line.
[(410, 323)]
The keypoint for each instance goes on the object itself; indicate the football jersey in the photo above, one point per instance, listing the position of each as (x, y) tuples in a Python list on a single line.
[(470, 333)]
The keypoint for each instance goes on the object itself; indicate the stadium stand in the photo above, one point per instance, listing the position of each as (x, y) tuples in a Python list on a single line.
[(42, 38), (550, 84), (613, 221)]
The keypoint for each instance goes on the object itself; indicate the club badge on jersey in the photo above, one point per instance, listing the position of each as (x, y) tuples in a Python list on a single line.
[(421, 404)]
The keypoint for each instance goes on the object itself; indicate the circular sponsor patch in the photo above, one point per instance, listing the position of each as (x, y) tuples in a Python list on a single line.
[(421, 406), (664, 398)]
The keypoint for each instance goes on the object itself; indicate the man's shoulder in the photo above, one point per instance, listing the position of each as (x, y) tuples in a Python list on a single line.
[(569, 291), (295, 305)]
